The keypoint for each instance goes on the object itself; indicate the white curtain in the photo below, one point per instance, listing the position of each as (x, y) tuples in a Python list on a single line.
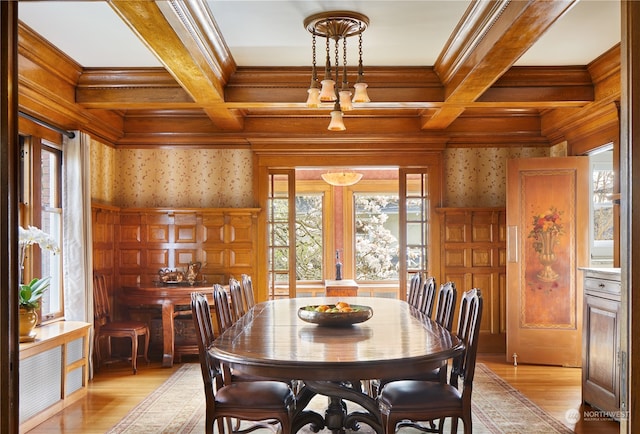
[(76, 223)]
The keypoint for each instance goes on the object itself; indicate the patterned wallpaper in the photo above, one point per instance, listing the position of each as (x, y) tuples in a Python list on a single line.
[(170, 178), (207, 178), (103, 173), (476, 177)]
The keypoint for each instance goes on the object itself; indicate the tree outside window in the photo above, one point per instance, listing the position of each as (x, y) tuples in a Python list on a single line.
[(376, 236)]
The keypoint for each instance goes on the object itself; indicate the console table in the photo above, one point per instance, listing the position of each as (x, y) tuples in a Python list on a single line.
[(167, 297), (341, 288)]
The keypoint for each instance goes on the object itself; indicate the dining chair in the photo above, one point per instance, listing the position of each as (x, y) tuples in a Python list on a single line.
[(247, 291), (427, 296), (423, 401), (444, 316), (413, 296), (446, 305), (256, 401), (237, 300), (106, 328), (224, 316)]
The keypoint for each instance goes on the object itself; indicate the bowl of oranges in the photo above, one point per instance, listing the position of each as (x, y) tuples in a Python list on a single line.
[(340, 314)]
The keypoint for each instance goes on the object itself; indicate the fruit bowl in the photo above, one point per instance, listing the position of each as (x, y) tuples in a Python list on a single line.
[(330, 315)]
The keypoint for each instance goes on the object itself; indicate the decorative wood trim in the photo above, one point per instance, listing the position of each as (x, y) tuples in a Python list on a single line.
[(154, 107)]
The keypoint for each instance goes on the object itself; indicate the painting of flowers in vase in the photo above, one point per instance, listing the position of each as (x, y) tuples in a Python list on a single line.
[(545, 232), (548, 237)]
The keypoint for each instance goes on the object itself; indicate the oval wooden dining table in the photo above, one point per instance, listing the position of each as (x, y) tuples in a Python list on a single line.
[(396, 342)]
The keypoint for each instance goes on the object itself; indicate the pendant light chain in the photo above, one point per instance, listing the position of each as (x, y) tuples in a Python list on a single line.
[(327, 69), (337, 64), (344, 65)]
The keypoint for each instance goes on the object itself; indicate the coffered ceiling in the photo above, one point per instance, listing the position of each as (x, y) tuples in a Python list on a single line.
[(242, 67)]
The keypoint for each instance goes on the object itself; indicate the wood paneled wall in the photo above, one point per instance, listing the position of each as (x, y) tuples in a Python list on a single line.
[(130, 246), (473, 255)]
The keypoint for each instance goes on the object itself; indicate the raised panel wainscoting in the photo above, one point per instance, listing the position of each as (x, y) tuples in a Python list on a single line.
[(473, 255), (132, 245)]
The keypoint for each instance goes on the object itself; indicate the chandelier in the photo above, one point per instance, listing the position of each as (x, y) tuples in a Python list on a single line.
[(336, 26), (341, 178)]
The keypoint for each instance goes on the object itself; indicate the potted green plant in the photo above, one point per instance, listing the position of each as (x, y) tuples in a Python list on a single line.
[(29, 294)]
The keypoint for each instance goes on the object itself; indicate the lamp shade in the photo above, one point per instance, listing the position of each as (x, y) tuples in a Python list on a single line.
[(313, 100), (341, 178), (336, 124), (361, 93), (328, 91), (345, 100)]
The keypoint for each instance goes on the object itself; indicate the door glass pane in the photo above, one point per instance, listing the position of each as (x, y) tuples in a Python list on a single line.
[(309, 236), (279, 235), (417, 212)]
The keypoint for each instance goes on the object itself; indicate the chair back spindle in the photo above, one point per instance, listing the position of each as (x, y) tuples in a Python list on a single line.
[(224, 316), (446, 305), (237, 301), (413, 296), (428, 296), (247, 291)]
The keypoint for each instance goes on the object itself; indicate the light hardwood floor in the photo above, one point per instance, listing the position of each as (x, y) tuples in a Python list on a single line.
[(114, 391)]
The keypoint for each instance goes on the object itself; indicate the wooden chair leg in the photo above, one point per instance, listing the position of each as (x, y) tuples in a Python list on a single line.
[(146, 346), (134, 352)]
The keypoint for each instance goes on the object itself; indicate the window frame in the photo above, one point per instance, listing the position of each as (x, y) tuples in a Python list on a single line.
[(601, 251), (31, 211)]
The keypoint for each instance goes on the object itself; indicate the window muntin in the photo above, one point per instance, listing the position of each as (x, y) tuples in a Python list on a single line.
[(417, 221), (280, 235)]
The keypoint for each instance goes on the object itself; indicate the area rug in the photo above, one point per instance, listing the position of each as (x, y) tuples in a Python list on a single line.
[(177, 406)]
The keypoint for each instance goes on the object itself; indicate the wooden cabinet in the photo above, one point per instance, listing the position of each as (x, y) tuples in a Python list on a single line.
[(601, 339), (473, 255), (54, 370)]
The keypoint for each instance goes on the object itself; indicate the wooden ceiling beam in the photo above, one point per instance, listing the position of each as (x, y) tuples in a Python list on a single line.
[(284, 88), (184, 36), (488, 40)]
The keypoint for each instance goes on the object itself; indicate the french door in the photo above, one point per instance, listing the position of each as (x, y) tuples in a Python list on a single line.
[(408, 199)]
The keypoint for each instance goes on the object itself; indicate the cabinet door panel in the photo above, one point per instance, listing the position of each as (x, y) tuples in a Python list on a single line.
[(600, 384)]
